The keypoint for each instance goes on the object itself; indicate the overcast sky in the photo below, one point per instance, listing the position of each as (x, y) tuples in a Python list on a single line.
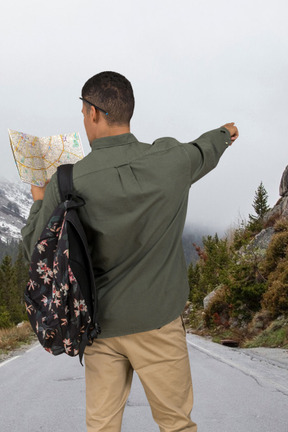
[(194, 65)]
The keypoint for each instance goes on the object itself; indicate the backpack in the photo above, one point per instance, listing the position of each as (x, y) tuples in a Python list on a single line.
[(61, 297)]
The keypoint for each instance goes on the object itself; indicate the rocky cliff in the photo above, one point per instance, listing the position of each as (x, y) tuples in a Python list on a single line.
[(280, 210), (15, 203)]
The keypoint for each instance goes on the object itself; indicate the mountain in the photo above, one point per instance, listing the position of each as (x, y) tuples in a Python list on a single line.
[(15, 203)]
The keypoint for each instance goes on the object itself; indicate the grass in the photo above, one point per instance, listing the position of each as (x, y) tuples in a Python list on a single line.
[(275, 336), (225, 334), (14, 337)]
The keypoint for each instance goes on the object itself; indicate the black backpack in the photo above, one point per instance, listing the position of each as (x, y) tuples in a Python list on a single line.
[(60, 297)]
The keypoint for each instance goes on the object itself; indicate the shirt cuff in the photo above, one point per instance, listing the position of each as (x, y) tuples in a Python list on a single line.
[(227, 137)]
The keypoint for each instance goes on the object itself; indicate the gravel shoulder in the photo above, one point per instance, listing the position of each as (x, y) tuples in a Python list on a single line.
[(18, 351)]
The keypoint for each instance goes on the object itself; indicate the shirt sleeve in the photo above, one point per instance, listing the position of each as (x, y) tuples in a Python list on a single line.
[(204, 153), (39, 216)]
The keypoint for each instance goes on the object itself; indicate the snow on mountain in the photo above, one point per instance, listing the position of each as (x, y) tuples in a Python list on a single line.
[(15, 204)]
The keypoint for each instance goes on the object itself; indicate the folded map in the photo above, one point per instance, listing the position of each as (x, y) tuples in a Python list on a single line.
[(38, 158)]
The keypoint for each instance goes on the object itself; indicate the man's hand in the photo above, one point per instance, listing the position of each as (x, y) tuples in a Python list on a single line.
[(233, 130), (38, 192)]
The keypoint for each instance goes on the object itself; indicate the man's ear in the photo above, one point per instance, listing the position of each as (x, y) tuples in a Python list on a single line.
[(93, 114)]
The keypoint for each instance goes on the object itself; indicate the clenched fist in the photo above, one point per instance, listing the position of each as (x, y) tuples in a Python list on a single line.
[(233, 130)]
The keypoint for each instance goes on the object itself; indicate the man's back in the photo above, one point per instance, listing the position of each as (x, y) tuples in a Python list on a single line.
[(136, 198)]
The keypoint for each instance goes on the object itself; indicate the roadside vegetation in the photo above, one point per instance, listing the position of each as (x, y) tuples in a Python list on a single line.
[(14, 337), (248, 285), (13, 280)]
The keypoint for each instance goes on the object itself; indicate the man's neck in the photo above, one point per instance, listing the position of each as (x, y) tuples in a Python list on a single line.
[(112, 131)]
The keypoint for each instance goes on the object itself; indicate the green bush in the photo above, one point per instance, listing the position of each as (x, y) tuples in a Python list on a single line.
[(277, 250), (276, 299), (13, 280), (246, 283), (249, 295), (242, 236), (239, 272), (280, 273), (5, 319), (211, 269), (281, 225), (218, 310), (196, 318), (195, 295)]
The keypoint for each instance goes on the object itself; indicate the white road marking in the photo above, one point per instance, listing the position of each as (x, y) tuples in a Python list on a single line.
[(15, 357), (31, 349), (8, 361)]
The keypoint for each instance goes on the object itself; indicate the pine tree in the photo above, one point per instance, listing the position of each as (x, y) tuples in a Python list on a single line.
[(8, 291), (21, 273), (211, 269), (261, 207), (260, 204)]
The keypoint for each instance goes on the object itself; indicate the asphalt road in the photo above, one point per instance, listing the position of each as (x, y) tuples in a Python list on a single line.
[(235, 390)]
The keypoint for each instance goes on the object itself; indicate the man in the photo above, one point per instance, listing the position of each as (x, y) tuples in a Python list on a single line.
[(136, 197)]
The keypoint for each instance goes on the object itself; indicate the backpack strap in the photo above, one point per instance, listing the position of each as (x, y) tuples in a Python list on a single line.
[(66, 190), (65, 181)]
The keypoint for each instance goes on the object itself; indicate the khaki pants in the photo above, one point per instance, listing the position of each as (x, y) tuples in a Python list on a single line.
[(161, 360)]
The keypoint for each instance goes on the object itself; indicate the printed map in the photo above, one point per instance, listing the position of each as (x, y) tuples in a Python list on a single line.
[(38, 158)]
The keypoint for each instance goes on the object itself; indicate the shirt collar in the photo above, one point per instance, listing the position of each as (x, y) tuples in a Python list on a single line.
[(113, 141)]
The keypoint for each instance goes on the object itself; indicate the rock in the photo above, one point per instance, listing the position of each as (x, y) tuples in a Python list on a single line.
[(208, 298), (20, 324), (260, 321), (280, 210), (262, 240), (283, 188)]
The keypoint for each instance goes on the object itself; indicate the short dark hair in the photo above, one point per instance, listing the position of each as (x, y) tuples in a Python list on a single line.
[(113, 93)]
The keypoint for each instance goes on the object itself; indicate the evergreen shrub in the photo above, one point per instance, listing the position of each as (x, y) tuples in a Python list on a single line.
[(13, 280), (276, 297), (5, 319), (218, 310), (277, 250)]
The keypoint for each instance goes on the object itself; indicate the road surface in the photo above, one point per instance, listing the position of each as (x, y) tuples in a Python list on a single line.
[(235, 390)]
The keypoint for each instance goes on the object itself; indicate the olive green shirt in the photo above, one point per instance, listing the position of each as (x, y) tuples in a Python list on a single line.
[(136, 199)]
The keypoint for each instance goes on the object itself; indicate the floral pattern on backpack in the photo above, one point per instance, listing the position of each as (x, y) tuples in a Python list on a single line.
[(56, 308)]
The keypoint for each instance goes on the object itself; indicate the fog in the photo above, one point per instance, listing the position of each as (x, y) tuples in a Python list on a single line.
[(194, 65)]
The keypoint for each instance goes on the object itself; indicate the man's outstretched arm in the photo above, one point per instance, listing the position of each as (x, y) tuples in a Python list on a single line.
[(205, 152)]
